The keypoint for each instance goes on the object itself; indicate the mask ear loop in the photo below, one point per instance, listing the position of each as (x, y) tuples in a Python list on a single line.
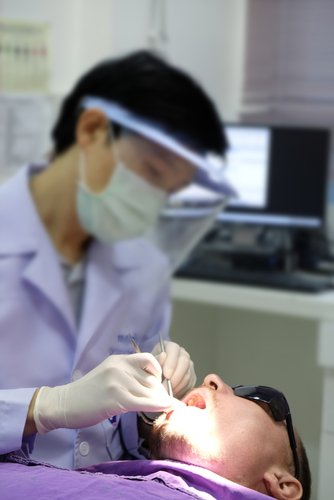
[(82, 169)]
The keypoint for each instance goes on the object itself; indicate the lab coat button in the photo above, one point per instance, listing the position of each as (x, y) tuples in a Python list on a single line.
[(76, 375), (84, 448)]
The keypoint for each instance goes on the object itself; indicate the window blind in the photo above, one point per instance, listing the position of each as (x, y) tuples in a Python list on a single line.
[(289, 62)]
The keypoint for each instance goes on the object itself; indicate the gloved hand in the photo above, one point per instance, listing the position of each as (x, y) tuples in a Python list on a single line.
[(119, 384), (177, 366)]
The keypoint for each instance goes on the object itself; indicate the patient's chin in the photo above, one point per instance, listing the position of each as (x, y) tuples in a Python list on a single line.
[(173, 447), (168, 446), (177, 439)]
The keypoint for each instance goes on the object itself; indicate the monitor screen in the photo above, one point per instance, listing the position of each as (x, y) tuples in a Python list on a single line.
[(247, 165), (280, 173)]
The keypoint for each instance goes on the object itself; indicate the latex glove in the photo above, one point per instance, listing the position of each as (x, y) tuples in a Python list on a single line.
[(119, 384), (177, 366)]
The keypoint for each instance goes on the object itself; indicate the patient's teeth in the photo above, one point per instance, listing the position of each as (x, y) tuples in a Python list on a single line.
[(197, 401)]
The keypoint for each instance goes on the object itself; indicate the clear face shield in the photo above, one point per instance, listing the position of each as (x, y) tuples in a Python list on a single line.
[(187, 214), (184, 221)]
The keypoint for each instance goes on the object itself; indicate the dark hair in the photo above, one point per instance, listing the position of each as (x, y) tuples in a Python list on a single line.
[(305, 473), (153, 89)]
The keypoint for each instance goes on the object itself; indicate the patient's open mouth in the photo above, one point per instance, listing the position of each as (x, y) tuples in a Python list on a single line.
[(196, 400)]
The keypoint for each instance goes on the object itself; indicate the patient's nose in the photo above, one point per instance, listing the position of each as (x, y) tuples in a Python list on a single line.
[(216, 383)]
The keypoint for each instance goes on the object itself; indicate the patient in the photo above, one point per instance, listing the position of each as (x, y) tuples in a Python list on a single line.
[(239, 435), (224, 443)]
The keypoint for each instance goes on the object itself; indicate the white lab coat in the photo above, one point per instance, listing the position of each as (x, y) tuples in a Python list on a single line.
[(40, 343)]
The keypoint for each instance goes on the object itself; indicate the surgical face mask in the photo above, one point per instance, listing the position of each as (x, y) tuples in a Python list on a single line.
[(128, 206)]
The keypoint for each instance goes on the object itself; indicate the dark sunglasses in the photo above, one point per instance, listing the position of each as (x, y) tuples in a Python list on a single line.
[(279, 408)]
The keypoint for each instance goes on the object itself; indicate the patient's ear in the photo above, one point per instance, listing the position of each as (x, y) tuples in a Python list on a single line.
[(282, 485)]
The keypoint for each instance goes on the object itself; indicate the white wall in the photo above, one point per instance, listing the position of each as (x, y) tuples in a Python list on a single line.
[(204, 37)]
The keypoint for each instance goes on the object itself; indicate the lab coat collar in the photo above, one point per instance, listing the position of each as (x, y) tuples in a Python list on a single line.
[(27, 227), (29, 239), (110, 268)]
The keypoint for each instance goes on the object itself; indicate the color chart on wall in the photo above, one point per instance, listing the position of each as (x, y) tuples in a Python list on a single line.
[(24, 56)]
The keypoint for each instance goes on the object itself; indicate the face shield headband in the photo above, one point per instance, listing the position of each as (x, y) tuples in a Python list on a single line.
[(210, 166)]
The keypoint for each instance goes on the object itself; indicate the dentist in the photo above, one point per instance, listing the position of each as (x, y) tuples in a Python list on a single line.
[(79, 278)]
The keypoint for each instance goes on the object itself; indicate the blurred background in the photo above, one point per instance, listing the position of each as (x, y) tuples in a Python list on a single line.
[(262, 61)]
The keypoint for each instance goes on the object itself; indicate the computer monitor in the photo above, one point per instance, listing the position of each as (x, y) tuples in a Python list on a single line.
[(280, 173)]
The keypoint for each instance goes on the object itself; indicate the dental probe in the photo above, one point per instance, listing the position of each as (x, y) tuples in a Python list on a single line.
[(169, 384), (135, 346)]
